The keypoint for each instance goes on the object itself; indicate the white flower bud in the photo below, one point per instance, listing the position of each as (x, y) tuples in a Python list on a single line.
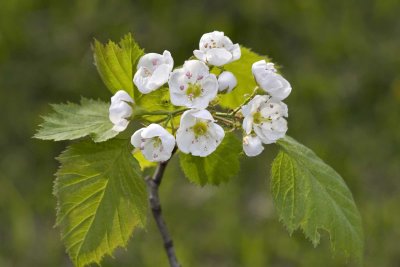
[(226, 81), (252, 145), (153, 71), (120, 110), (271, 82)]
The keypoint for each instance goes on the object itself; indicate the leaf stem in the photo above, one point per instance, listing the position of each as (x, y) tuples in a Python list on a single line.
[(225, 120), (153, 184), (245, 102), (161, 112)]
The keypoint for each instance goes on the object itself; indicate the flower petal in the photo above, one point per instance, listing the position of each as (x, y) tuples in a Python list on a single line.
[(218, 56), (119, 110), (120, 125), (252, 146), (153, 130), (247, 124), (136, 139), (121, 95), (202, 114), (226, 81), (184, 139)]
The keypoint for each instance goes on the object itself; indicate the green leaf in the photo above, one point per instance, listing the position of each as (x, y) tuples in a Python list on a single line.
[(246, 83), (218, 167), (101, 199), (310, 195), (156, 100), (116, 63), (72, 121)]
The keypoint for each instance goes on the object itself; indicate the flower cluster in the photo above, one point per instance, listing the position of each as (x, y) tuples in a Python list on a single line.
[(194, 87)]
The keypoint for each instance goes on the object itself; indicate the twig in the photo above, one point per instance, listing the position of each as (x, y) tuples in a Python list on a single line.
[(245, 102), (153, 184)]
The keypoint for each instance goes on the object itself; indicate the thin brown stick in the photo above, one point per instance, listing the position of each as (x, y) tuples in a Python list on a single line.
[(153, 184)]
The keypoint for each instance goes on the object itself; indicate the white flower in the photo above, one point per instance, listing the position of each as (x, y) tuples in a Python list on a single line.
[(155, 142), (198, 134), (271, 82), (153, 71), (226, 81), (217, 49), (265, 115), (120, 110), (252, 145), (192, 86)]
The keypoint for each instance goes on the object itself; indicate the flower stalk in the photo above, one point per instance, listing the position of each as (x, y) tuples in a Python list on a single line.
[(153, 184)]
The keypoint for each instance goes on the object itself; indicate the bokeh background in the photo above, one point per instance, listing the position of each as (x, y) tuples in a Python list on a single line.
[(341, 57)]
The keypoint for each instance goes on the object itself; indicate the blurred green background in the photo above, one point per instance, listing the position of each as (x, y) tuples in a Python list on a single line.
[(341, 57)]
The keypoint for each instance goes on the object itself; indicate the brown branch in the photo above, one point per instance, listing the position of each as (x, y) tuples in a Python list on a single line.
[(153, 184)]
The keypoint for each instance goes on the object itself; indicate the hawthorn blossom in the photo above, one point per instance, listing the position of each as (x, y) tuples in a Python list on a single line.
[(192, 85), (252, 145), (120, 110), (226, 81), (198, 134), (153, 71), (265, 116), (155, 142), (217, 49), (271, 82)]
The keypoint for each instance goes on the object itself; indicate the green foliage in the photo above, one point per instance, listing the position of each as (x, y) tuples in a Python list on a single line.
[(156, 100), (72, 121), (242, 70), (101, 198), (116, 63), (310, 195), (218, 167)]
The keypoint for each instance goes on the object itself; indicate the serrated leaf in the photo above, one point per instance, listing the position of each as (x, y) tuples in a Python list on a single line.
[(116, 63), (218, 167), (72, 121), (310, 195), (101, 199), (246, 83)]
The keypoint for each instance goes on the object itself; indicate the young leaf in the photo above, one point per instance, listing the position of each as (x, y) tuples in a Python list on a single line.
[(246, 83), (158, 100), (117, 63), (72, 121), (101, 199), (310, 195), (218, 167)]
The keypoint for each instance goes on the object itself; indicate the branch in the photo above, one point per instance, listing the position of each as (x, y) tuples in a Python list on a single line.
[(152, 186)]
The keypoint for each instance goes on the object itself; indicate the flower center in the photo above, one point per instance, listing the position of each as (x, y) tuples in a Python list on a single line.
[(156, 142), (147, 72), (193, 91), (257, 118), (200, 128)]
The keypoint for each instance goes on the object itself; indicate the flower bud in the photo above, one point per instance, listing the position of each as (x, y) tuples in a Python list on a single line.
[(252, 145), (120, 110), (271, 82), (226, 81)]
